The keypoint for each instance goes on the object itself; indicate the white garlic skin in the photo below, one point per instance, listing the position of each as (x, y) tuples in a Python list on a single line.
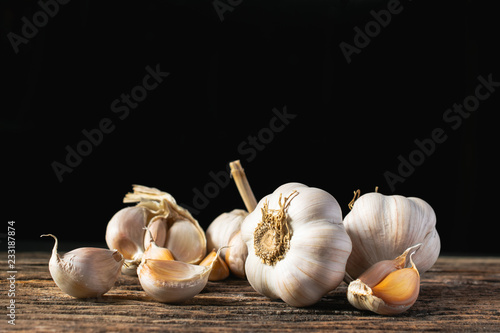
[(85, 272), (319, 247), (236, 255), (223, 228), (381, 227)]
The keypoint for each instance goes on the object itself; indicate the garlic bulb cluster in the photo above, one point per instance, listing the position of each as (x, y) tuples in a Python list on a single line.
[(171, 226), (387, 287), (85, 272), (297, 245), (382, 227)]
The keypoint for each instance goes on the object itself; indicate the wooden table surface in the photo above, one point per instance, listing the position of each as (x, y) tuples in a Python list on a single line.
[(457, 294)]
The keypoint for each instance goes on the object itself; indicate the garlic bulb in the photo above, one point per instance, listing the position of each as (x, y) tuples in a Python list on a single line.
[(223, 228), (387, 287), (297, 245), (381, 227), (170, 281), (85, 272)]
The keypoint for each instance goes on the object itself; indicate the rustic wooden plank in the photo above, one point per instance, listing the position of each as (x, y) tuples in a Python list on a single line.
[(457, 294)]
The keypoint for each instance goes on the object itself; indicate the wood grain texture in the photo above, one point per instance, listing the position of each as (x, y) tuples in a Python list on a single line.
[(457, 294)]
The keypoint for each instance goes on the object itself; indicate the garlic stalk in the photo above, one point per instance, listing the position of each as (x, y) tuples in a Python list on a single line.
[(85, 272)]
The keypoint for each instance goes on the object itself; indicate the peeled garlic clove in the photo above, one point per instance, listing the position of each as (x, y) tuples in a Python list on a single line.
[(125, 232), (185, 237), (236, 255), (171, 281), (387, 287), (223, 228), (85, 272), (381, 227), (220, 271)]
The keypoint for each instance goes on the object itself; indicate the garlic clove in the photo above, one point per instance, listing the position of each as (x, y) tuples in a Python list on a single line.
[(153, 251), (85, 272), (220, 271), (223, 228), (157, 230), (171, 281), (186, 242), (386, 288), (236, 255), (125, 232)]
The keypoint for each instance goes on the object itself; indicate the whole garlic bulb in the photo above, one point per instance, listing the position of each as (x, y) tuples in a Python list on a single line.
[(382, 227), (85, 272), (297, 245)]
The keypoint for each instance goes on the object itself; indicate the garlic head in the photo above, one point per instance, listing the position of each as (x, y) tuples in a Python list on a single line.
[(297, 245), (381, 227)]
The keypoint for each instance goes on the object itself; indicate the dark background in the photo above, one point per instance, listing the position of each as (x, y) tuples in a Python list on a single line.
[(351, 123)]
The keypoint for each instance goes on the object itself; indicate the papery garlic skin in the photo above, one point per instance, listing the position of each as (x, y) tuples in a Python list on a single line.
[(381, 227), (223, 228), (314, 262), (85, 272)]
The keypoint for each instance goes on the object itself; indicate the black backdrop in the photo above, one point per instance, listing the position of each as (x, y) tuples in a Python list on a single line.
[(264, 82)]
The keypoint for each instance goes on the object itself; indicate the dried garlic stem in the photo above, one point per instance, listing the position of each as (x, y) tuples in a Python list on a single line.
[(241, 181)]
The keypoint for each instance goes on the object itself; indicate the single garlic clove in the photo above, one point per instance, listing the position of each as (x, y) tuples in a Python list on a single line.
[(125, 232), (171, 281), (236, 255), (220, 271), (223, 228), (153, 251), (157, 230), (387, 287), (186, 241), (85, 272)]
